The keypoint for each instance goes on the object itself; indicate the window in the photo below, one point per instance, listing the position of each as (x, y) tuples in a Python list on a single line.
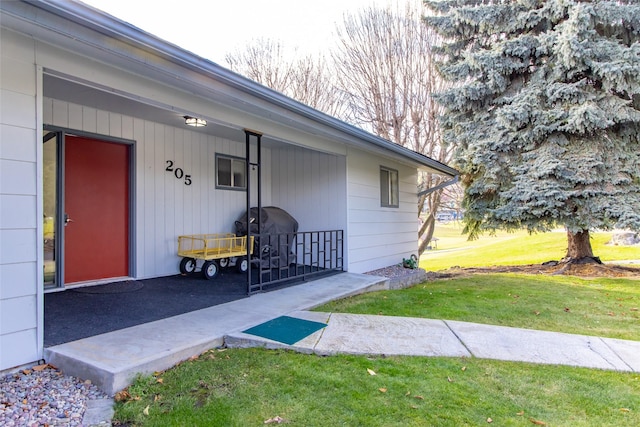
[(230, 172), (388, 187)]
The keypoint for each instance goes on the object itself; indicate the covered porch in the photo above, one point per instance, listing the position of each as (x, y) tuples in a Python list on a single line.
[(175, 187)]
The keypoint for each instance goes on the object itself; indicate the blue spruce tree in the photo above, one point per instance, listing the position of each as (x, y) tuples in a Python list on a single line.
[(546, 113)]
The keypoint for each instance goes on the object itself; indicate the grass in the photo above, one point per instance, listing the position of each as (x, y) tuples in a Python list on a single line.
[(511, 249), (602, 307), (246, 387)]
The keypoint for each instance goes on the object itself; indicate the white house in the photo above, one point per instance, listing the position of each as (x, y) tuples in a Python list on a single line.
[(99, 173)]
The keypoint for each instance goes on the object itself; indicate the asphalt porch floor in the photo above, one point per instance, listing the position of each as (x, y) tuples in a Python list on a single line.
[(82, 312)]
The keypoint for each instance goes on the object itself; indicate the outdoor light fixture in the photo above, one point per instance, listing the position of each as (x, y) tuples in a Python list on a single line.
[(194, 121)]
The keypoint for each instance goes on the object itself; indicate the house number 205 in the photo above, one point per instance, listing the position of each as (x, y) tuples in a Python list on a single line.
[(178, 173)]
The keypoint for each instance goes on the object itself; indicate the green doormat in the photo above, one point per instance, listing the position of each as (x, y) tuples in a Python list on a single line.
[(285, 329)]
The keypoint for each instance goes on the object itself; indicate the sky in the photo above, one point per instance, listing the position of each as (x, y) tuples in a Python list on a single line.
[(214, 28)]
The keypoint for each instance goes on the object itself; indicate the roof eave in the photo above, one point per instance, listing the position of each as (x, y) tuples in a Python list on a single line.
[(85, 15)]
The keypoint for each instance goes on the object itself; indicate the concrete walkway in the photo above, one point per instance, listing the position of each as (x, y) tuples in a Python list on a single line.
[(387, 335)]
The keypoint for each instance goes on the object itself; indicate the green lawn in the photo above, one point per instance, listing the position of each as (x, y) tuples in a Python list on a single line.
[(511, 249), (246, 387), (602, 307)]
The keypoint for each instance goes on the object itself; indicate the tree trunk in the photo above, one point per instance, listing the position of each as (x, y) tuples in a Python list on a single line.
[(579, 247), (426, 233)]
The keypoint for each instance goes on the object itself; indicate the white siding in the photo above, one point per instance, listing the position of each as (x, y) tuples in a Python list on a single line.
[(18, 203), (310, 186), (379, 237), (165, 207)]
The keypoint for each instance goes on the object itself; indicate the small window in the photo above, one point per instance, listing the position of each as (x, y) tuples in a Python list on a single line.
[(389, 188), (230, 172)]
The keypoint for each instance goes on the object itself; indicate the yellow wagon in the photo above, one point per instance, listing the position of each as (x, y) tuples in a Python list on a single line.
[(216, 250)]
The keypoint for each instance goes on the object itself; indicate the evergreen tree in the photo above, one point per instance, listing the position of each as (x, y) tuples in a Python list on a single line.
[(545, 112)]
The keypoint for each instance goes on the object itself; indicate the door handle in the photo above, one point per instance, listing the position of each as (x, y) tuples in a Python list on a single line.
[(67, 220)]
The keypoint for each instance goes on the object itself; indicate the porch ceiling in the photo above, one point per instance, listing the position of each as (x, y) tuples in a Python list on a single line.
[(77, 93)]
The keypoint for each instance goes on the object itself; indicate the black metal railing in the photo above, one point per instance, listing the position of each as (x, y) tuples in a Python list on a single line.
[(289, 256)]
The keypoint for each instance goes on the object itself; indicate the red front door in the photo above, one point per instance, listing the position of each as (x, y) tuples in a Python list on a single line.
[(96, 204)]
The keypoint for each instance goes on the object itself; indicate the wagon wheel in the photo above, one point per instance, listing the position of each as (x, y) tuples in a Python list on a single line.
[(224, 262), (187, 265), (210, 269), (242, 265)]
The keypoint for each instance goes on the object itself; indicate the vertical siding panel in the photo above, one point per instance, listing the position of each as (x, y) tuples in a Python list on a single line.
[(179, 207), (277, 180), (183, 208), (75, 116), (192, 190), (150, 197), (204, 182), (315, 194), (328, 170), (47, 111), (215, 198), (267, 177), (221, 198), (60, 114), (102, 122), (186, 191), (212, 148), (288, 189), (162, 188), (211, 190), (285, 179), (139, 195), (89, 119), (309, 199), (299, 179), (173, 225), (127, 127), (293, 185), (115, 125), (323, 184)]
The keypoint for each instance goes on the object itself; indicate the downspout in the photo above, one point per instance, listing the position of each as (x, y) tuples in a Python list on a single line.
[(439, 186)]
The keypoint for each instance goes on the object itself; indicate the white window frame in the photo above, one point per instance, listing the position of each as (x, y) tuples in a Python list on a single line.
[(238, 167), (389, 188)]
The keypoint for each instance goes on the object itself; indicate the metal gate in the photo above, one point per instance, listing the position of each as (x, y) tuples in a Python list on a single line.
[(310, 253)]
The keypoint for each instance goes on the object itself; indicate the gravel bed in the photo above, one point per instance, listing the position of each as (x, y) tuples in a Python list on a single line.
[(392, 272), (43, 396), (401, 277)]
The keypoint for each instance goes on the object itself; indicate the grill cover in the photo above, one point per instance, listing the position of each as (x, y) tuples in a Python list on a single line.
[(274, 221)]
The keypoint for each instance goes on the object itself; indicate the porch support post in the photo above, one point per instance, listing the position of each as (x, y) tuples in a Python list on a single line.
[(248, 167)]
